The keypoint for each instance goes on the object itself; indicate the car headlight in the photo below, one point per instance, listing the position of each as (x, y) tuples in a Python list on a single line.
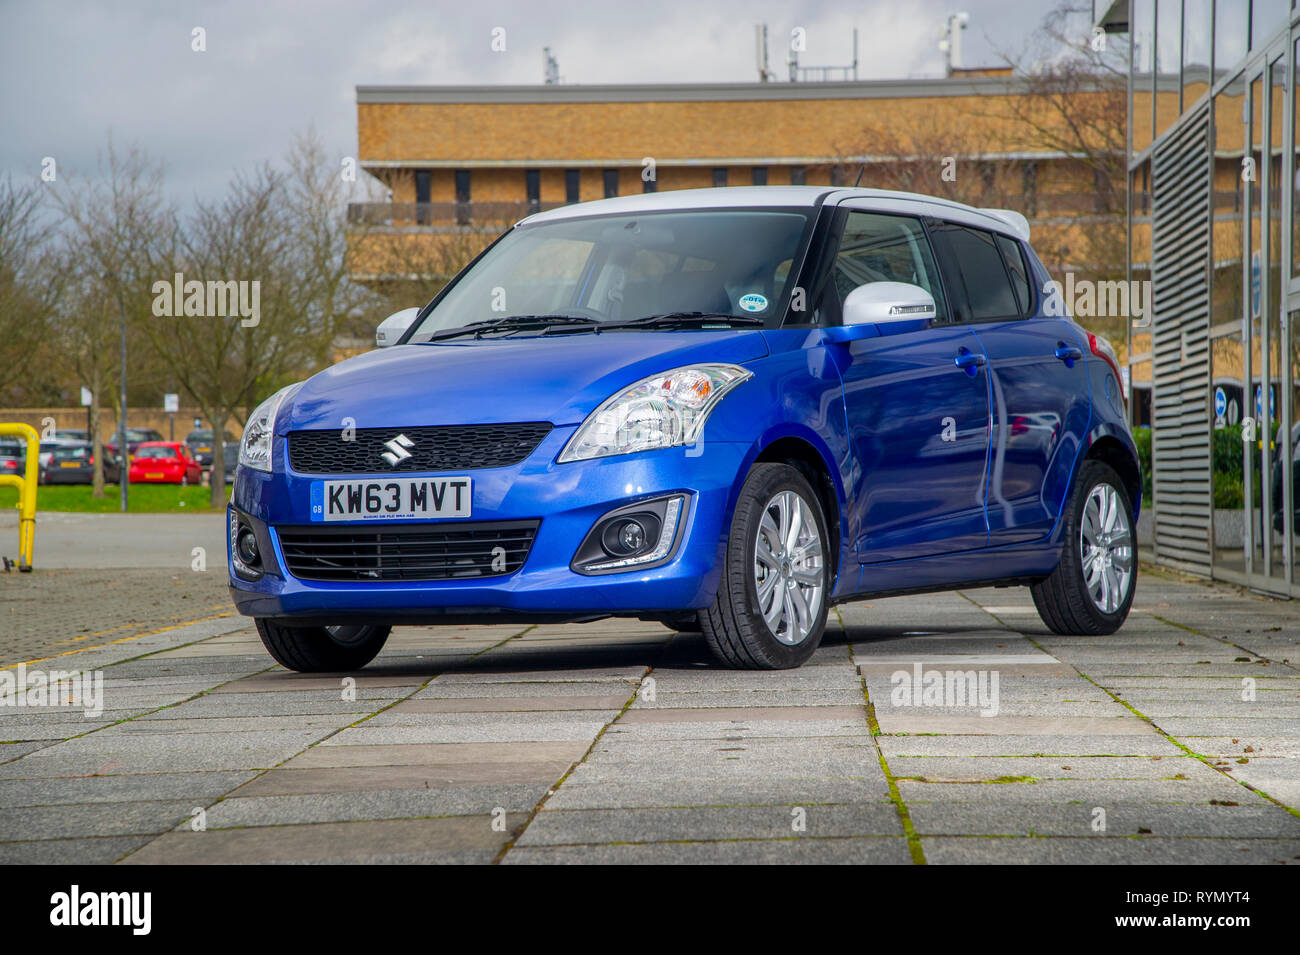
[(255, 445), (661, 411)]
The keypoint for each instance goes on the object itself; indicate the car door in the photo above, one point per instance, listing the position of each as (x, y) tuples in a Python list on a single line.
[(1037, 377), (916, 403)]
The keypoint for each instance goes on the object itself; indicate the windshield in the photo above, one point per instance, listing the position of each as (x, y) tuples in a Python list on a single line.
[(622, 268)]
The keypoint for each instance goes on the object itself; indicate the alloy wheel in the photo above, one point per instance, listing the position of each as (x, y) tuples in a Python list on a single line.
[(1106, 548), (789, 568)]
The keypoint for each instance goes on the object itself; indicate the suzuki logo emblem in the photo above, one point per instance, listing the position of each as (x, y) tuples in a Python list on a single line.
[(397, 449)]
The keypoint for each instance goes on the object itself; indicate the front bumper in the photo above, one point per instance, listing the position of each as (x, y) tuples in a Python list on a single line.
[(568, 499)]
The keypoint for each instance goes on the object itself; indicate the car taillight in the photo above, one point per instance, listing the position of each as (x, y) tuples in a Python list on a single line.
[(1103, 350)]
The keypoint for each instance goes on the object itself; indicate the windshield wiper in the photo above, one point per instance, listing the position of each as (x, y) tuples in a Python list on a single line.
[(687, 320), (512, 323)]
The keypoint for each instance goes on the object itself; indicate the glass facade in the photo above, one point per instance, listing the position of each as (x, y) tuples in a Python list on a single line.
[(1237, 59)]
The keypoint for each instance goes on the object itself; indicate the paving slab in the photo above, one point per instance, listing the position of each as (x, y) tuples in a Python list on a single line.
[(422, 776), (460, 838), (1088, 850), (410, 803), (855, 851), (1122, 820), (414, 754), (587, 827)]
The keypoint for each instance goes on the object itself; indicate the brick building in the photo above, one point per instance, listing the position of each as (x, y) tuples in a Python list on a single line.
[(462, 163)]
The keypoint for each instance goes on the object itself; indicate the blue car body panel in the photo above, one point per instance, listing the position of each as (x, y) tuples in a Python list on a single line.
[(934, 476)]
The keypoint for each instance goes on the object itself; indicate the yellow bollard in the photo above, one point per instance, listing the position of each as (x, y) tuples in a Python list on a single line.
[(26, 490)]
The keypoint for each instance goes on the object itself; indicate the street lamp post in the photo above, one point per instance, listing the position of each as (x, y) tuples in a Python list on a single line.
[(124, 460)]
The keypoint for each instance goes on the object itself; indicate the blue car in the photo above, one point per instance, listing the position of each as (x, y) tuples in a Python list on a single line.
[(722, 409)]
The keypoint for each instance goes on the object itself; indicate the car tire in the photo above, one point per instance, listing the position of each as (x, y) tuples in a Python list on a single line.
[(795, 592), (1091, 590), (322, 649)]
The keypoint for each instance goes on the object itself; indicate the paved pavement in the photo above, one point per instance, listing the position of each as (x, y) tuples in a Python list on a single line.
[(1172, 741), (104, 577)]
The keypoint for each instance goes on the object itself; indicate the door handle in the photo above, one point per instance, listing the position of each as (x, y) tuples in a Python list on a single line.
[(1068, 354), (969, 361)]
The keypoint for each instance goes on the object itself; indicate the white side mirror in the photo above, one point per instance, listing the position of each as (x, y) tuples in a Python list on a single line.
[(878, 302), (394, 327)]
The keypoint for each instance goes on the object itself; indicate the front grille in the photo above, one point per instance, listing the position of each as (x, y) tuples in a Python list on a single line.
[(446, 448), (487, 549)]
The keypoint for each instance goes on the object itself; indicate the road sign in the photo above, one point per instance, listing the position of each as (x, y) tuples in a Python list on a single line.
[(1256, 284), (171, 403), (86, 397), (1220, 402)]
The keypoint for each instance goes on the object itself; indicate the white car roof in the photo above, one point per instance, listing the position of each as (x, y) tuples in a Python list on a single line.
[(999, 220)]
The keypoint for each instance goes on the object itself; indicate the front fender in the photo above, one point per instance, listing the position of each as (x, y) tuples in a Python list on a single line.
[(796, 394)]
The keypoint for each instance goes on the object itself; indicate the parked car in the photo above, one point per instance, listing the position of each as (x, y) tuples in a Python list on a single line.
[(47, 448), (75, 464), (231, 454), (134, 438), (200, 444), (726, 410), (13, 454), (166, 462)]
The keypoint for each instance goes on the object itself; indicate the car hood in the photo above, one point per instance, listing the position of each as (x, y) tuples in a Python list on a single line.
[(559, 379)]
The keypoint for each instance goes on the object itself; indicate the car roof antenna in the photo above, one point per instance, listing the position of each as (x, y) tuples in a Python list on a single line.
[(861, 170)]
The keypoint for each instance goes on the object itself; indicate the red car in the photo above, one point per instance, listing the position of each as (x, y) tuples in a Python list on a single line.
[(164, 462)]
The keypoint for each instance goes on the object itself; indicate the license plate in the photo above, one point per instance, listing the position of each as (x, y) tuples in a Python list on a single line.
[(154, 475), (391, 500), (69, 464)]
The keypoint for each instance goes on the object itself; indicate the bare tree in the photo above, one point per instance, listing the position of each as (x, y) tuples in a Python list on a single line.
[(118, 229), (277, 239), (30, 281)]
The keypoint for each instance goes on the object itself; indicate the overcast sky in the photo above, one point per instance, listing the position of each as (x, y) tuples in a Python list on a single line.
[(71, 73)]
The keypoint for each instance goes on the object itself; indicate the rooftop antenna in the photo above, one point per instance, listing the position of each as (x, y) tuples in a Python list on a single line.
[(950, 42), (765, 74), (824, 74), (551, 67), (861, 170)]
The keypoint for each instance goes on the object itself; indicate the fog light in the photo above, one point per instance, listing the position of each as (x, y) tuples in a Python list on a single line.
[(246, 545), (637, 535), (245, 555), (632, 536)]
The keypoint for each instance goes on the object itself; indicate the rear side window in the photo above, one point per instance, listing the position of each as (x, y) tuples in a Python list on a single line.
[(1014, 259), (982, 268)]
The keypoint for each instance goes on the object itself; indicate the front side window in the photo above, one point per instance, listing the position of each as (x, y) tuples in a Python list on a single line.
[(621, 268), (875, 247)]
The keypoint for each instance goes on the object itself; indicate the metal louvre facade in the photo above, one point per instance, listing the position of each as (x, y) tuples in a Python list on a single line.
[(1180, 283)]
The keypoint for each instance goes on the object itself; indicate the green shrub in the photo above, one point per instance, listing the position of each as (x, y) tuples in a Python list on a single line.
[(1228, 490), (1142, 437), (1226, 453)]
